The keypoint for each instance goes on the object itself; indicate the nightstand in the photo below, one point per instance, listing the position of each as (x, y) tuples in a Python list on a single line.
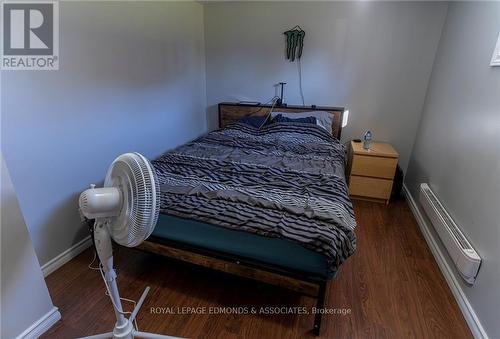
[(371, 172)]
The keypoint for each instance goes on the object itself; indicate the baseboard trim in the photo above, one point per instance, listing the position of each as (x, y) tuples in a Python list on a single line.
[(42, 325), (455, 287), (66, 256)]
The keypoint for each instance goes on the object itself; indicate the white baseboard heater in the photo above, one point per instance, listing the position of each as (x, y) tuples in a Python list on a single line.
[(466, 259)]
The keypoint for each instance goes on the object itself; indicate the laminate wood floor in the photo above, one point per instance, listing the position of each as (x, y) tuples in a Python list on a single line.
[(390, 288)]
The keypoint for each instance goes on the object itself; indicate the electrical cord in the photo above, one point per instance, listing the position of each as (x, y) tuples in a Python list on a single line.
[(273, 100), (93, 267), (299, 66), (107, 293)]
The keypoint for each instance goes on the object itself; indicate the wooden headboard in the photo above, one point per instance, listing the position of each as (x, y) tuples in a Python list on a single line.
[(230, 112)]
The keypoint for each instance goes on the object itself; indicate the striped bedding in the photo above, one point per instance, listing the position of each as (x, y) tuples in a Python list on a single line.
[(284, 180)]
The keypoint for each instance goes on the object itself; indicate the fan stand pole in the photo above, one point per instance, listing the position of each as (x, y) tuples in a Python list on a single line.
[(123, 327)]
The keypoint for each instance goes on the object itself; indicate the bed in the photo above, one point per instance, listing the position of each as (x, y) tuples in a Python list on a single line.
[(269, 204)]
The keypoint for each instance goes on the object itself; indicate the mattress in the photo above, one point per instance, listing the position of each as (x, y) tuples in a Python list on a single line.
[(283, 253), (284, 181)]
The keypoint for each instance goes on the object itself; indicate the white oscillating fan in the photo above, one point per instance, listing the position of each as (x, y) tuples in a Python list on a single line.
[(126, 210)]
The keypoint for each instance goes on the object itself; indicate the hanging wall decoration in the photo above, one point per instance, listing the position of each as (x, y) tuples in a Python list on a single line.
[(294, 42)]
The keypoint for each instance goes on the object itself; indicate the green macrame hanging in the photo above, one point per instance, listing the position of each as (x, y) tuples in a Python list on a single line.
[(294, 42)]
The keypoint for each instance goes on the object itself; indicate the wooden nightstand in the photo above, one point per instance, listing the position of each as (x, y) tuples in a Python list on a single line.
[(371, 172)]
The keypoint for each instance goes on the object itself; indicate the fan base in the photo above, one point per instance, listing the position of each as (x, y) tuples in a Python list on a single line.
[(127, 331)]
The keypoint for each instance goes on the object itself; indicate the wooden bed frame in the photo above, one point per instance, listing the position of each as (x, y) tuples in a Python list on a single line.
[(303, 282)]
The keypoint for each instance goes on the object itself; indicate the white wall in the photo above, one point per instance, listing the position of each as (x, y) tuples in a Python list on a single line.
[(131, 78), (25, 298), (374, 58), (457, 149)]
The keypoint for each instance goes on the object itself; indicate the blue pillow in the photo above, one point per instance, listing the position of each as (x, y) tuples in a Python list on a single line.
[(256, 121), (307, 120)]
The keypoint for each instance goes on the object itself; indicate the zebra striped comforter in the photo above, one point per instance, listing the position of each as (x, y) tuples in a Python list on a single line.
[(284, 180)]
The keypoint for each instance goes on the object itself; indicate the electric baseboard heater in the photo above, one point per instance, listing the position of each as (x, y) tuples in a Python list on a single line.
[(466, 259)]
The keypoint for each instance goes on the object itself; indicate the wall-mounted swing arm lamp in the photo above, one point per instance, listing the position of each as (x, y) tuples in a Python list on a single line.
[(280, 102)]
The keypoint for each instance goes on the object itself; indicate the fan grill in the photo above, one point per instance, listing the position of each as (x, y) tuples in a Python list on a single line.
[(136, 178)]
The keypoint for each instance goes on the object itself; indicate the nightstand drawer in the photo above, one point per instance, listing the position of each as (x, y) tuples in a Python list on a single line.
[(370, 166), (370, 187)]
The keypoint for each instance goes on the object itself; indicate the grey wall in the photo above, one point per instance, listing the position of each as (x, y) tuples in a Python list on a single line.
[(131, 78), (25, 298), (374, 58), (457, 148)]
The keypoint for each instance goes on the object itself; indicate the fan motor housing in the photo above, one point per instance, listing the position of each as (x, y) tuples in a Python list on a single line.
[(101, 202)]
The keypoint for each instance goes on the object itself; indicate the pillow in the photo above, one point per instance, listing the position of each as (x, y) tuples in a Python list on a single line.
[(323, 118), (256, 121), (281, 118)]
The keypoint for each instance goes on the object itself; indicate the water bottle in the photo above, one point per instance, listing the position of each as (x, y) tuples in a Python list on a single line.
[(367, 139)]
